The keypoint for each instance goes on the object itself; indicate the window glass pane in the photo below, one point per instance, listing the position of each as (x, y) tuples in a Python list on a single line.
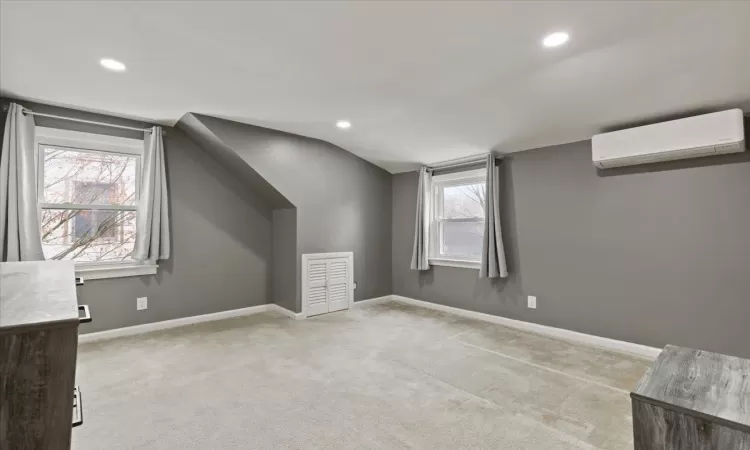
[(463, 239), (92, 192), (84, 177), (88, 235), (93, 224), (464, 201)]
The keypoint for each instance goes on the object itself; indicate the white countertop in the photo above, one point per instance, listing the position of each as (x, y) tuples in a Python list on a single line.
[(37, 293)]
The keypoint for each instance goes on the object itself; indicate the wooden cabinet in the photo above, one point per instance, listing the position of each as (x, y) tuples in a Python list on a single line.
[(39, 321), (693, 400)]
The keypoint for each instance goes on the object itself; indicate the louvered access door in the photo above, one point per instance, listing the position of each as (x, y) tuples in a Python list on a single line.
[(338, 287), (328, 285)]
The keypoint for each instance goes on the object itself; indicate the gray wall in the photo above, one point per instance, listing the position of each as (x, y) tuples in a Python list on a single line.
[(343, 202), (233, 162), (284, 272), (654, 254), (221, 241)]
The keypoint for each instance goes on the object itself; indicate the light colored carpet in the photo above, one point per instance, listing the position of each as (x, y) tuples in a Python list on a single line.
[(388, 376)]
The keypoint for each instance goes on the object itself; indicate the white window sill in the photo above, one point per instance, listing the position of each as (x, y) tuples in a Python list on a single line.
[(115, 271), (455, 263)]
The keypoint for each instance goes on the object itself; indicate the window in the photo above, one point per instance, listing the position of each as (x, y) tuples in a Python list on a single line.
[(457, 225), (93, 224), (88, 196)]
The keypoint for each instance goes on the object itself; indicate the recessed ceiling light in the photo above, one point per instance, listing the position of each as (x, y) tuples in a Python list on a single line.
[(111, 64), (343, 124), (555, 39)]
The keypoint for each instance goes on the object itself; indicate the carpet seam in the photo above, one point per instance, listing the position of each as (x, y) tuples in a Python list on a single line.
[(515, 410), (549, 369)]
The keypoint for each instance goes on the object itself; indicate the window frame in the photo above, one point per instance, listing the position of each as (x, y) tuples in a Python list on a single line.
[(439, 182), (92, 143)]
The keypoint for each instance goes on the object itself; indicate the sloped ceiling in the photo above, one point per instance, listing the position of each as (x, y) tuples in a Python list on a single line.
[(420, 81)]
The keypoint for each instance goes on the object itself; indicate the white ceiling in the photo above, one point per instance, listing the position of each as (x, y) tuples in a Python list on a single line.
[(420, 81)]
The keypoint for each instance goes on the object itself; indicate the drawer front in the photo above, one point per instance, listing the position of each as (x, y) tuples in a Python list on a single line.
[(657, 428)]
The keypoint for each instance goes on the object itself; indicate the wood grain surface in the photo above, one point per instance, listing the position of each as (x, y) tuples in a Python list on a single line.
[(37, 375), (657, 428), (700, 383), (38, 347)]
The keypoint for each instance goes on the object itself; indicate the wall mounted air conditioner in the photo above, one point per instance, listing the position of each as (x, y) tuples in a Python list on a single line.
[(709, 134)]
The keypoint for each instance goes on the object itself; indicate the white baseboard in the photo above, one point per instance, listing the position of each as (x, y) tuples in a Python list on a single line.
[(357, 304), (167, 324), (560, 333), (291, 314), (373, 301)]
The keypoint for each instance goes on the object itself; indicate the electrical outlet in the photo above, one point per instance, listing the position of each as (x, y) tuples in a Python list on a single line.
[(532, 302), (141, 303)]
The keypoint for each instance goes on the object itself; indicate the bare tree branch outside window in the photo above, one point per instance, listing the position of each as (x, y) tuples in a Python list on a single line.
[(464, 201), (90, 180)]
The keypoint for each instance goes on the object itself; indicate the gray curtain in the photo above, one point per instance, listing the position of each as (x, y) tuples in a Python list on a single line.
[(420, 253), (152, 236), (20, 235), (493, 253)]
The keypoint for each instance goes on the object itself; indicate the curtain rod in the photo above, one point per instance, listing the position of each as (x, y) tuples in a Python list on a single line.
[(458, 162), (90, 122)]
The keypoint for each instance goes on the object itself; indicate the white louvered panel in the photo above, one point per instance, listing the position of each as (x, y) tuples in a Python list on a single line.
[(327, 283), (337, 292), (338, 271), (316, 295), (338, 284), (317, 300), (317, 290), (316, 273)]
